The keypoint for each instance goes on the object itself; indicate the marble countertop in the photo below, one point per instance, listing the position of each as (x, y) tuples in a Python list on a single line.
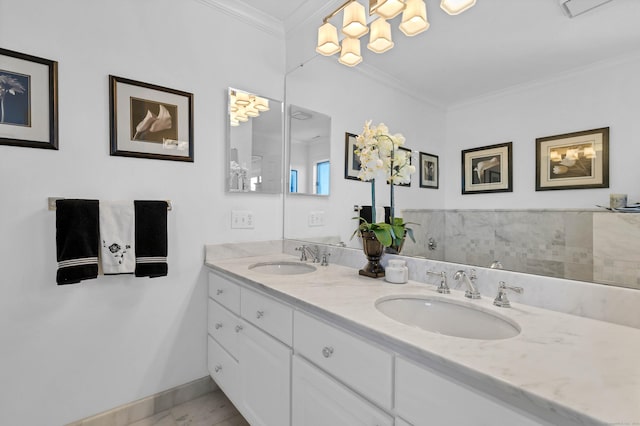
[(566, 369)]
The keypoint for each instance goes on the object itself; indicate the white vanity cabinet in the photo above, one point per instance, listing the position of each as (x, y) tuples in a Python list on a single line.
[(250, 365), (425, 398)]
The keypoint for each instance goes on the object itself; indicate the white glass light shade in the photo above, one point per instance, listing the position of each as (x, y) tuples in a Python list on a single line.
[(251, 111), (589, 152), (241, 115), (242, 98), (327, 40), (354, 23), (414, 18), (454, 7), (262, 104), (555, 156), (380, 37), (387, 9), (350, 55), (234, 122)]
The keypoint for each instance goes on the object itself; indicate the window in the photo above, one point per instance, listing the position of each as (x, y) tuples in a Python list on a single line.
[(293, 181), (322, 177)]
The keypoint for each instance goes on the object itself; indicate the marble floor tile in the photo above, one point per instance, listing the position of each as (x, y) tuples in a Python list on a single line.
[(211, 409)]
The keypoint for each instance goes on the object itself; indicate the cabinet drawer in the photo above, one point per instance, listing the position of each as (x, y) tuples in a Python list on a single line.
[(360, 365), (319, 400), (425, 398), (267, 314), (223, 370), (224, 326), (225, 292)]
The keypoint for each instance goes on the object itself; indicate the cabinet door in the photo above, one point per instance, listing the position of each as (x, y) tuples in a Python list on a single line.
[(319, 400), (265, 377)]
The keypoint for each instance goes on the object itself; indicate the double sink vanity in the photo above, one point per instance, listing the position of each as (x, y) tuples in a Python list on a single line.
[(296, 343)]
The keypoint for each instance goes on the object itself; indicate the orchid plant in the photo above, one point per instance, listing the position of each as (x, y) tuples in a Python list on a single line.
[(380, 155)]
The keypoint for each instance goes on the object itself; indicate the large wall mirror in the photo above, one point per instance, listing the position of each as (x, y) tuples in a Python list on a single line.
[(309, 152), (554, 239), (254, 143)]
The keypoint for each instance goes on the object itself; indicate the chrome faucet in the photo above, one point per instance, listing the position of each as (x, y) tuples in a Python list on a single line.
[(314, 252), (443, 288), (501, 299), (496, 264), (472, 291)]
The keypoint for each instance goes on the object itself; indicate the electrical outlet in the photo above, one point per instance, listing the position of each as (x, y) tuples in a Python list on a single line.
[(241, 219), (316, 218)]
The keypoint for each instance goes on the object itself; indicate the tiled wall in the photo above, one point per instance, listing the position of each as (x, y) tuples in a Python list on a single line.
[(581, 245)]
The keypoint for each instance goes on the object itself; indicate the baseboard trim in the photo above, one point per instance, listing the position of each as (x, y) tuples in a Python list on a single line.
[(151, 405)]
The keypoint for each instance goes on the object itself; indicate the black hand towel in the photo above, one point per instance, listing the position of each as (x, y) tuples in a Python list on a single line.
[(151, 238), (77, 240)]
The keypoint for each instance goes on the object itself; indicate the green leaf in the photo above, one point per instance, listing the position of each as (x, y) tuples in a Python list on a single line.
[(383, 236)]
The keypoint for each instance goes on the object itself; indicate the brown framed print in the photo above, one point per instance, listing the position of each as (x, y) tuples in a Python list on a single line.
[(487, 169), (351, 159), (150, 121), (578, 160), (28, 100), (429, 171)]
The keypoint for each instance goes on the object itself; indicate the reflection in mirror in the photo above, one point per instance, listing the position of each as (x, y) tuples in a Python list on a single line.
[(254, 143), (309, 151)]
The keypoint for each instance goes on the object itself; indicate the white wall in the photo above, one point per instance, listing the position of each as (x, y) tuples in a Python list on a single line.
[(350, 98), (603, 95), (71, 351)]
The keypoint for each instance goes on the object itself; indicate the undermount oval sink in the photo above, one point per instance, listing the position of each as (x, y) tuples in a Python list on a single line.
[(282, 268), (447, 317)]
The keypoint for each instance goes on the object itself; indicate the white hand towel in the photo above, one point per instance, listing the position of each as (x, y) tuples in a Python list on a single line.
[(117, 236)]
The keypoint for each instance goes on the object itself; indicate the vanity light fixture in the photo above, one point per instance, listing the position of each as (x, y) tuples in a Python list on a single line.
[(355, 25), (243, 105)]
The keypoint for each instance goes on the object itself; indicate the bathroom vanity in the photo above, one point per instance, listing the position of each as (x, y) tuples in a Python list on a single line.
[(310, 347)]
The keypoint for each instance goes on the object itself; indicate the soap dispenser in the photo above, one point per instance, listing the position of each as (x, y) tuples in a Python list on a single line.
[(397, 272)]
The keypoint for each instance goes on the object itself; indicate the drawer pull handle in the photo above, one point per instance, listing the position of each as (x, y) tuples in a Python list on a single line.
[(259, 314), (219, 291), (217, 368), (327, 351), (238, 328), (218, 326)]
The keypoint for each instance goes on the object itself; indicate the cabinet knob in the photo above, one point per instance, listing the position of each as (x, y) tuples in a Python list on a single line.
[(217, 368), (259, 314), (218, 326), (327, 351), (219, 291), (238, 328)]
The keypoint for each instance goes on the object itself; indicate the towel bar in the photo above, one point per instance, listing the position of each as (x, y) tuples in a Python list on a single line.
[(51, 202)]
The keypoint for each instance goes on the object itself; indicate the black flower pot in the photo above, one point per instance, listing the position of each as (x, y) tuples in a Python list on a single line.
[(373, 250)]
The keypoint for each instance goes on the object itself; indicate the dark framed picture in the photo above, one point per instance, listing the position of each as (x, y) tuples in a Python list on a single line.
[(429, 171), (408, 152), (487, 169), (149, 121), (351, 160), (28, 100), (578, 160)]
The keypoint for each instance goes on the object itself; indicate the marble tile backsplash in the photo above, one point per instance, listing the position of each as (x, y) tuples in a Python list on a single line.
[(579, 245)]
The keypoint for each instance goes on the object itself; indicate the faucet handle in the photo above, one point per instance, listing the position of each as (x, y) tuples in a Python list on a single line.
[(443, 287), (501, 299), (325, 261), (303, 252), (472, 274)]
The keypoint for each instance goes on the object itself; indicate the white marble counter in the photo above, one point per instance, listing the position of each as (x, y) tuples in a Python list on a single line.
[(566, 369)]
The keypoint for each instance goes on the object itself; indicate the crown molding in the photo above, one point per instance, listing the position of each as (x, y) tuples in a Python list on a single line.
[(309, 14), (249, 15)]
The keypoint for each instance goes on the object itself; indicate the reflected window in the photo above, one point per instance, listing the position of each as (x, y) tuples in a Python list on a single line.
[(293, 181), (322, 178)]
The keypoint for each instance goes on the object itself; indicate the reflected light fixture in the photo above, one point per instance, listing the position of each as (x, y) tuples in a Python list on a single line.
[(455, 7), (244, 105), (355, 24)]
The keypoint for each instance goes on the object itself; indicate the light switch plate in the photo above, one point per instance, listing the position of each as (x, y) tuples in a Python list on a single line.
[(316, 218), (241, 219)]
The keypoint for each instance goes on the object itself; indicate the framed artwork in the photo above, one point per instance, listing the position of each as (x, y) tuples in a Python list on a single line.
[(487, 169), (351, 160), (149, 121), (408, 151), (429, 171), (28, 100), (577, 160)]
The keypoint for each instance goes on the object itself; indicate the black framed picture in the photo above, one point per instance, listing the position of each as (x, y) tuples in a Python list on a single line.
[(150, 121), (429, 171), (578, 160), (487, 169), (409, 156), (351, 160), (28, 100)]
